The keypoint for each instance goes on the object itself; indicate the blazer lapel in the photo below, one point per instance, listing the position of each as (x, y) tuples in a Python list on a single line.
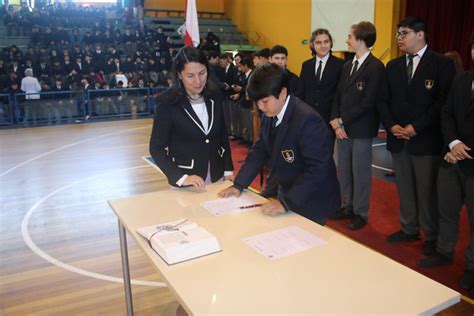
[(282, 130), (192, 115), (424, 63), (327, 68), (210, 112), (361, 69), (402, 68)]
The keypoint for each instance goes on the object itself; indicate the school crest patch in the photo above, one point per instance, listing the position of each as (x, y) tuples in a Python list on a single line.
[(360, 85), (429, 84), (288, 155)]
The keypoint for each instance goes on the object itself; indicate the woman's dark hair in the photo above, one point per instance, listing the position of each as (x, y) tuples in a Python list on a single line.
[(176, 92), (313, 37), (267, 80)]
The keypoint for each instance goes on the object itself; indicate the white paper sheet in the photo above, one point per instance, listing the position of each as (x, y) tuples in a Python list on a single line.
[(230, 205), (283, 242)]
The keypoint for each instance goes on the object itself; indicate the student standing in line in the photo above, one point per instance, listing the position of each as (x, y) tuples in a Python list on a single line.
[(355, 122), (418, 83), (456, 175), (293, 140), (320, 76), (279, 56), (189, 141)]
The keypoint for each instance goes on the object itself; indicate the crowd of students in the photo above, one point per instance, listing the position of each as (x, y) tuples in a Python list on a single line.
[(110, 50)]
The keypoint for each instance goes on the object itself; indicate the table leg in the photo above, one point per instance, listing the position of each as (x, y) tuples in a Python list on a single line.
[(125, 269)]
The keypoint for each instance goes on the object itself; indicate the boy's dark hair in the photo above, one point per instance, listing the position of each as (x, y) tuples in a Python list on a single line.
[(264, 53), (279, 49), (246, 61), (267, 80), (212, 54), (414, 23), (365, 31)]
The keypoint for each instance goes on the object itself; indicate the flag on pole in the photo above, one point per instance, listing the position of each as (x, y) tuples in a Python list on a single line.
[(191, 37)]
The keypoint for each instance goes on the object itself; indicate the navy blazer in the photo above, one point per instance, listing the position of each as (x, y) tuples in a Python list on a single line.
[(457, 117), (320, 94), (418, 102), (179, 145), (357, 98), (302, 160)]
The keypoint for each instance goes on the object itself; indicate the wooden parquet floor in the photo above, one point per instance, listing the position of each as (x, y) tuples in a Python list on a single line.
[(59, 247)]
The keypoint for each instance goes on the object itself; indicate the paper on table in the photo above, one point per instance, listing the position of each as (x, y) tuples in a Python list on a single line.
[(229, 205), (283, 242)]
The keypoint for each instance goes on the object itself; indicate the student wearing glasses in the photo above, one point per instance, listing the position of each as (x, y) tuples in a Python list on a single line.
[(418, 84), (189, 141)]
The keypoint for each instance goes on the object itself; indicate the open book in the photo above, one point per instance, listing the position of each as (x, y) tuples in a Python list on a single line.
[(180, 240)]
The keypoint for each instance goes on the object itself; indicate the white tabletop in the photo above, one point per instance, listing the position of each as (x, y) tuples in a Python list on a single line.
[(339, 278)]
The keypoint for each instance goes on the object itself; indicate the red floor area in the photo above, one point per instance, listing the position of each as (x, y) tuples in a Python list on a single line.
[(383, 220)]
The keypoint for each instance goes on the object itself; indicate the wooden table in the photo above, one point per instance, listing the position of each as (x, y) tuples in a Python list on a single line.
[(339, 278)]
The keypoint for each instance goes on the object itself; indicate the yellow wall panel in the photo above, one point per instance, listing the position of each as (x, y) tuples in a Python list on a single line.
[(288, 22)]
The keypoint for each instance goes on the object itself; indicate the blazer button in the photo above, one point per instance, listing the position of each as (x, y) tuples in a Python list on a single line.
[(207, 141)]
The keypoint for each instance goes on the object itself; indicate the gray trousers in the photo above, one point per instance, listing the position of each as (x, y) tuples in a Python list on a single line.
[(226, 107), (354, 163), (247, 125), (236, 118), (454, 188), (416, 183)]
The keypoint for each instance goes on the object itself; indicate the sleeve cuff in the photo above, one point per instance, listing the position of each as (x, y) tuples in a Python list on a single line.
[(453, 143), (238, 187), (287, 209), (179, 183), (228, 173)]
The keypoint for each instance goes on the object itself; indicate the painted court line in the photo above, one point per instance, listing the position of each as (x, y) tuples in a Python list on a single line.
[(67, 146), (31, 244)]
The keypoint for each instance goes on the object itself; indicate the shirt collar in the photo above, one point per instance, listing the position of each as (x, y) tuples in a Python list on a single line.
[(282, 112), (421, 52), (362, 59), (324, 59)]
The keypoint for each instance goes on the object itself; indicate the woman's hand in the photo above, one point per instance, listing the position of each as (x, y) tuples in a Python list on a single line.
[(230, 177), (195, 181)]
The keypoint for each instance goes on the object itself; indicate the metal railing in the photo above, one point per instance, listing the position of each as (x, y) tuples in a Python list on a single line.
[(76, 106)]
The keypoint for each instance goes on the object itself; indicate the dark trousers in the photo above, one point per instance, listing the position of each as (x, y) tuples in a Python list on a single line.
[(454, 189), (416, 183)]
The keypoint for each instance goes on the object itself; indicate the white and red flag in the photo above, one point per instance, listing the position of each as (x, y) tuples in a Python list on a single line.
[(191, 37)]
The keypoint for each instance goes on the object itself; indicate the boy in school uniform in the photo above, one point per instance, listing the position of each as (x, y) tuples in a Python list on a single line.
[(355, 122)]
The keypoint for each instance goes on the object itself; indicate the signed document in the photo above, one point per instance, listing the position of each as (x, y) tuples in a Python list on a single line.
[(283, 242)]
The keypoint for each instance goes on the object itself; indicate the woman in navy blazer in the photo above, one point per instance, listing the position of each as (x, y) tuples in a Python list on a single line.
[(189, 141)]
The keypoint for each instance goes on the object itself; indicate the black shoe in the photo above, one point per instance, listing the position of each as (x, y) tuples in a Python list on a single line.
[(400, 237), (429, 247), (435, 260), (342, 213), (467, 280), (357, 223)]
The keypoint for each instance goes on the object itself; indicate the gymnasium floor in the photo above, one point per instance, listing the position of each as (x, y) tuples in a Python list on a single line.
[(59, 250)]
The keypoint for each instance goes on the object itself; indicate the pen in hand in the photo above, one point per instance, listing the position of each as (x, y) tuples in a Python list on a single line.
[(250, 206)]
